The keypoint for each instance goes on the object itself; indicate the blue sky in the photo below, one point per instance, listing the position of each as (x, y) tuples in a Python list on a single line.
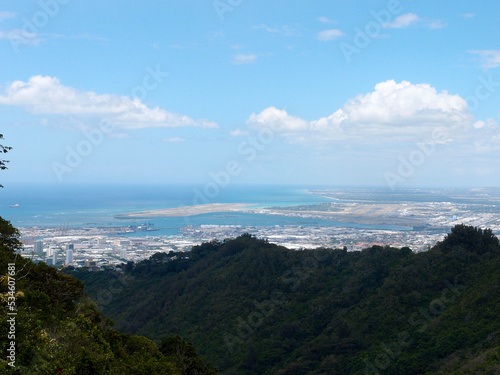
[(383, 93)]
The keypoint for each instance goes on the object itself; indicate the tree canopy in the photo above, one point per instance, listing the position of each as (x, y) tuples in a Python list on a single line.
[(251, 307), (60, 330), (3, 150)]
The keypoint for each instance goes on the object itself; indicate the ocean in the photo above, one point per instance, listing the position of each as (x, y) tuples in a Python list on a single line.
[(98, 205)]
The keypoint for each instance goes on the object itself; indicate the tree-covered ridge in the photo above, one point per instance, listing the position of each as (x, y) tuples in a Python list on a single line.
[(59, 330), (252, 307)]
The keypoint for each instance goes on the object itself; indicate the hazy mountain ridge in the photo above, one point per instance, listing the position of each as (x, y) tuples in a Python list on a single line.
[(251, 307)]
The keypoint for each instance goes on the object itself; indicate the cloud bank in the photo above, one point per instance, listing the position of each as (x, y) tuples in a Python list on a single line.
[(44, 95), (393, 112)]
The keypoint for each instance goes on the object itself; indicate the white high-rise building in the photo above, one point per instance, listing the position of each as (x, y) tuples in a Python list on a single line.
[(69, 256), (54, 257), (123, 253), (38, 247)]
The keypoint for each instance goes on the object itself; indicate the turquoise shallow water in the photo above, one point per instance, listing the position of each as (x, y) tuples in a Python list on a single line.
[(54, 205), (97, 205)]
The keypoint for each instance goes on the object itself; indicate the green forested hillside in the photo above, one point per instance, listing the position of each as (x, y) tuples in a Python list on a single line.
[(47, 326), (251, 307)]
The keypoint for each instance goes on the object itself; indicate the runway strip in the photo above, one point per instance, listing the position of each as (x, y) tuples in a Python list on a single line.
[(187, 210)]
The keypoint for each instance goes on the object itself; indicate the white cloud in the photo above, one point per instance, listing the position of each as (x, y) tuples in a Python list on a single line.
[(284, 30), (325, 20), (393, 112), (174, 140), (19, 37), (47, 96), (468, 15), (409, 19), (402, 21), (278, 119), (244, 58), (435, 24), (489, 58), (238, 133), (327, 35), (488, 124), (484, 138), (6, 15)]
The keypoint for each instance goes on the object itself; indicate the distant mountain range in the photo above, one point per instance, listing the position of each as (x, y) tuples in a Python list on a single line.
[(251, 307)]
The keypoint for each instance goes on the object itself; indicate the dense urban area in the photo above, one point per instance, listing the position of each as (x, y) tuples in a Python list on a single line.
[(416, 224)]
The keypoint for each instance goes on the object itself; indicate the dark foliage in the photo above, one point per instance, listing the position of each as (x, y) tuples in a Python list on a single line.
[(59, 330), (9, 237), (252, 307), (3, 150)]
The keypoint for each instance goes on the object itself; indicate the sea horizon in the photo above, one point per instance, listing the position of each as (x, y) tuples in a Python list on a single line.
[(98, 205)]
